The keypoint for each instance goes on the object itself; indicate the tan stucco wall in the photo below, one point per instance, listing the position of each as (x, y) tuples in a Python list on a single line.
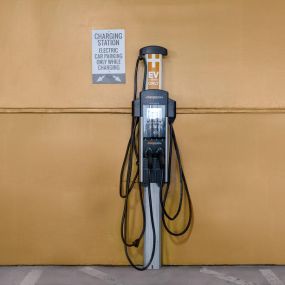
[(59, 201)]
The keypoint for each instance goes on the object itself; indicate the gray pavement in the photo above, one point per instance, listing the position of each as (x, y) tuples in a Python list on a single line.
[(168, 275)]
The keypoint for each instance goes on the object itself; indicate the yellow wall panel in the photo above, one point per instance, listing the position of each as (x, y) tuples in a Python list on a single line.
[(59, 201), (221, 53)]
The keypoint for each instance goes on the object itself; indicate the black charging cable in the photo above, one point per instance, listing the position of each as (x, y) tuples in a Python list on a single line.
[(183, 188)]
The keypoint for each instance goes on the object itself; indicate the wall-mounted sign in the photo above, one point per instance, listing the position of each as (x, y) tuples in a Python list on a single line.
[(108, 56)]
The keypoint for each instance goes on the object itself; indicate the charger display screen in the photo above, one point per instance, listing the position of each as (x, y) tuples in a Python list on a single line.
[(154, 121)]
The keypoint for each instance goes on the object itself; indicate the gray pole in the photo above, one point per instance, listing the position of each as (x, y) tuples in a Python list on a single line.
[(155, 195)]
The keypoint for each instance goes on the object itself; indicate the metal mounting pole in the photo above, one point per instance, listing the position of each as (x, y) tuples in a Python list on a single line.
[(155, 195)]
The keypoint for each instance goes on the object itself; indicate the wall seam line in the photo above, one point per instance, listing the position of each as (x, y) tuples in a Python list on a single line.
[(69, 110)]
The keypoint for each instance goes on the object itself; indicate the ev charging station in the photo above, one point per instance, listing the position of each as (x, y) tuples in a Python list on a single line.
[(150, 145)]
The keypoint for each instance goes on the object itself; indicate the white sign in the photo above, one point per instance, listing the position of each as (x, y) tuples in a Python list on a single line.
[(108, 56)]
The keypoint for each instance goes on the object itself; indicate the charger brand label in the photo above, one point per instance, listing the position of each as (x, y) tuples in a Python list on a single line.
[(154, 70)]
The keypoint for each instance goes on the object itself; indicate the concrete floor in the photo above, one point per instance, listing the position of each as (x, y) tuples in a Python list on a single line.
[(172, 275)]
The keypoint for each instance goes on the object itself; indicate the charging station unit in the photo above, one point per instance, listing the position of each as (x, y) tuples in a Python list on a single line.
[(147, 161)]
